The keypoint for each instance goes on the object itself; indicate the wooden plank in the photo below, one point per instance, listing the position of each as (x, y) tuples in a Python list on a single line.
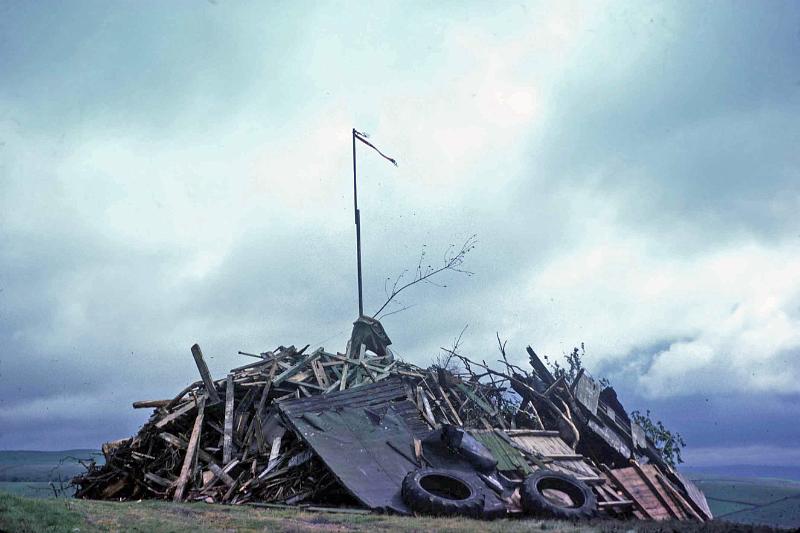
[(297, 367), (211, 389), (273, 456), (227, 444), (319, 373), (643, 508), (446, 400), (565, 456), (265, 393), (343, 379), (551, 388), (144, 404), (678, 497), (220, 474), (427, 406), (662, 498), (158, 480), (191, 404), (191, 452), (421, 407), (541, 370)]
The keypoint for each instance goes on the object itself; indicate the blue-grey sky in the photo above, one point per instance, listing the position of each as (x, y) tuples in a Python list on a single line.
[(179, 173)]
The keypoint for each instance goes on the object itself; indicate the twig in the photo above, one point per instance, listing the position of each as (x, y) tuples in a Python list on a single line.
[(450, 262)]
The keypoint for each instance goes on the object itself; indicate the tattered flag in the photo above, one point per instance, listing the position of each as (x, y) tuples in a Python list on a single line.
[(363, 138)]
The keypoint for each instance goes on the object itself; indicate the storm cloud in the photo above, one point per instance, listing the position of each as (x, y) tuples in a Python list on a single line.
[(181, 174)]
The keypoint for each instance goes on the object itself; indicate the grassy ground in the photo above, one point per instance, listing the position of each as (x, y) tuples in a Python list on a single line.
[(20, 514), (754, 501)]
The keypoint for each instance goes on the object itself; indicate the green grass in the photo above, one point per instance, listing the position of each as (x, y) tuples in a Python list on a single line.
[(26, 515), (754, 501)]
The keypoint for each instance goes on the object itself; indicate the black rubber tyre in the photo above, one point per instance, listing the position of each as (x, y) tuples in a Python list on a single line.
[(536, 503), (442, 492)]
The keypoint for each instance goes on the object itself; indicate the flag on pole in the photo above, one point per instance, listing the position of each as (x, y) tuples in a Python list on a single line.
[(363, 138)]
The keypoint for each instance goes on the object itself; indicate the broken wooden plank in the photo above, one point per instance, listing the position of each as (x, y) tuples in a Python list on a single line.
[(343, 379), (211, 389), (227, 445), (190, 405), (319, 373), (297, 367), (145, 404), (191, 452), (158, 480)]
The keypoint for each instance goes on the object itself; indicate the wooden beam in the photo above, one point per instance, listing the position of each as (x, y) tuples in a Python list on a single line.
[(211, 389), (297, 367), (227, 443), (553, 387), (144, 404), (191, 452), (177, 413), (343, 380)]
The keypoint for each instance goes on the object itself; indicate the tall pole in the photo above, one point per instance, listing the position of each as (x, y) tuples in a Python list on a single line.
[(358, 229)]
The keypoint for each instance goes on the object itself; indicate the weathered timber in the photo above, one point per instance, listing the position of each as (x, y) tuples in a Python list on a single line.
[(211, 389), (227, 450), (191, 452)]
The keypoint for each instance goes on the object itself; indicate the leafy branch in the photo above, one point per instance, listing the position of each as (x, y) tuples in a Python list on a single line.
[(668, 443)]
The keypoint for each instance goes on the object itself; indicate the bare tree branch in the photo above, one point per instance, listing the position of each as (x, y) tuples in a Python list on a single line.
[(451, 260)]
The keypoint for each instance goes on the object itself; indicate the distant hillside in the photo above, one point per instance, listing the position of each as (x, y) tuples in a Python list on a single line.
[(29, 465), (751, 500), (743, 471)]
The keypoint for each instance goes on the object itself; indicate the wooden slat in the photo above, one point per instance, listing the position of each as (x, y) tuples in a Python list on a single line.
[(297, 367), (319, 373), (177, 413), (144, 404), (678, 497), (657, 491), (191, 452), (227, 444), (343, 379), (643, 507), (211, 389)]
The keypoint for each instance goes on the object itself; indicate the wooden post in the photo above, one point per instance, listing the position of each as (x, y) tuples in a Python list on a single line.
[(191, 452), (211, 389), (227, 442)]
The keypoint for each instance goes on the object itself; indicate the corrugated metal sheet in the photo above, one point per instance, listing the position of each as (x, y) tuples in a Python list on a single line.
[(508, 458), (369, 454), (389, 391)]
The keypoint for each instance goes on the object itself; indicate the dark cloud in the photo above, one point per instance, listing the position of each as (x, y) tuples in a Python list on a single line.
[(171, 177)]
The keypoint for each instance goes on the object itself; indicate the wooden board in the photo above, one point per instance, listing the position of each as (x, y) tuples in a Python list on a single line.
[(641, 484)]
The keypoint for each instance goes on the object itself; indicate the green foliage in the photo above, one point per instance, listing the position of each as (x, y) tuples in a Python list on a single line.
[(574, 361), (669, 443)]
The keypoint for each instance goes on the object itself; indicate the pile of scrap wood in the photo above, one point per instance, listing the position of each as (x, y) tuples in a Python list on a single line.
[(300, 427)]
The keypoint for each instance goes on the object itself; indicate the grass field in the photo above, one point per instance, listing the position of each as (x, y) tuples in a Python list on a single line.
[(754, 501), (30, 506), (28, 515)]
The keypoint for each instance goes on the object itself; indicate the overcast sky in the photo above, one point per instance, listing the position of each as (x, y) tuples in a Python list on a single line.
[(179, 173)]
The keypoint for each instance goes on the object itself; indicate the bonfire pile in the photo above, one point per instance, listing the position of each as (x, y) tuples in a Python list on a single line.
[(228, 440), (222, 441)]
